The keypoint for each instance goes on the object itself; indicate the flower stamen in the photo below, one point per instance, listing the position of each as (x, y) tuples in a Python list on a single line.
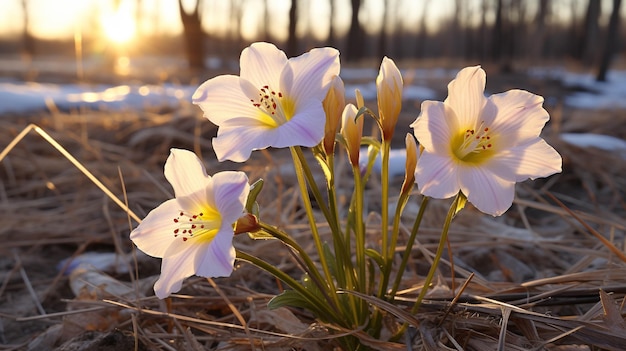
[(274, 104), (473, 142), (197, 225)]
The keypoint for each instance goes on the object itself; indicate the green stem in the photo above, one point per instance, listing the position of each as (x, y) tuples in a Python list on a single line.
[(384, 211), (409, 247), (288, 240), (341, 256), (301, 173), (454, 208), (359, 230), (324, 308), (386, 270), (296, 151), (384, 214), (442, 244)]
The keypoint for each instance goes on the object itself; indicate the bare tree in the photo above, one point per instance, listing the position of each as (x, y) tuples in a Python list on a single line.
[(610, 45), (332, 41), (382, 37), (537, 46), (28, 41), (193, 34), (497, 39), (292, 40), (589, 36), (355, 34), (421, 34), (483, 47)]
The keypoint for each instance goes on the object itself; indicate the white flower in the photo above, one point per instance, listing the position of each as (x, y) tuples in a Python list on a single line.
[(482, 146), (274, 102), (193, 232)]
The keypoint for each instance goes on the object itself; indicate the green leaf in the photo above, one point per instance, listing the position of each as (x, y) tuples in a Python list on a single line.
[(330, 258), (375, 255), (290, 298), (364, 110), (460, 201), (321, 159), (372, 154), (261, 235), (255, 189)]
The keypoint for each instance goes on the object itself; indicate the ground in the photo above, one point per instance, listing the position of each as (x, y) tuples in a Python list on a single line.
[(544, 263)]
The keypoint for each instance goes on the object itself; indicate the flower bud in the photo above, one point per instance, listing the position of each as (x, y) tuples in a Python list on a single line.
[(334, 104), (389, 94), (411, 162), (352, 131)]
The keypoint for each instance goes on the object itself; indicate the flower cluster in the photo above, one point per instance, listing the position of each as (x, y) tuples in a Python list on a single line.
[(471, 146)]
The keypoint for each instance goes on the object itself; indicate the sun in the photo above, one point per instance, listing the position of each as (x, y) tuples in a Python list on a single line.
[(119, 25)]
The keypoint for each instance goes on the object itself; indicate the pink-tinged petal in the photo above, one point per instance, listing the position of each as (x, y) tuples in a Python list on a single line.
[(466, 95), (218, 259), (533, 160), (185, 171), (306, 128), (519, 116), (175, 268), (237, 138), (486, 191), (230, 190), (223, 97), (434, 127), (312, 73), (437, 176), (156, 231), (262, 64)]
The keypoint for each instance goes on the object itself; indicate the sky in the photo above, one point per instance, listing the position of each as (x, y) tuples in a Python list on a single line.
[(53, 19), (59, 18)]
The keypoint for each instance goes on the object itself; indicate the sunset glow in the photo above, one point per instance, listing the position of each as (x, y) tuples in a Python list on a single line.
[(119, 25)]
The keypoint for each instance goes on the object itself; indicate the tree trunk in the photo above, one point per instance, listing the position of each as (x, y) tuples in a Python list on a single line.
[(355, 34), (292, 40), (589, 38), (332, 41), (382, 37), (611, 42), (421, 35), (28, 41), (193, 34), (537, 44), (496, 46)]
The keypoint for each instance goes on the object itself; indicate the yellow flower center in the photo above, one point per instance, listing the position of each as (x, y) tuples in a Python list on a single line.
[(202, 225), (274, 107), (473, 145)]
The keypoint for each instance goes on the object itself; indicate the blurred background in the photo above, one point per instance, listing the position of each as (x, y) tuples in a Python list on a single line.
[(164, 40)]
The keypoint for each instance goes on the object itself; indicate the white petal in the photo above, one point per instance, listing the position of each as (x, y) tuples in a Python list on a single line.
[(185, 171), (519, 116), (312, 73), (230, 190), (466, 95), (218, 259), (306, 128), (436, 176), (262, 64), (239, 136), (222, 98), (174, 269), (533, 160), (156, 232), (434, 126), (486, 191)]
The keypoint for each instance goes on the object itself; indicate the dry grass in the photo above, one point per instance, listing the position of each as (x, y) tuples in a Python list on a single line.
[(537, 278)]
